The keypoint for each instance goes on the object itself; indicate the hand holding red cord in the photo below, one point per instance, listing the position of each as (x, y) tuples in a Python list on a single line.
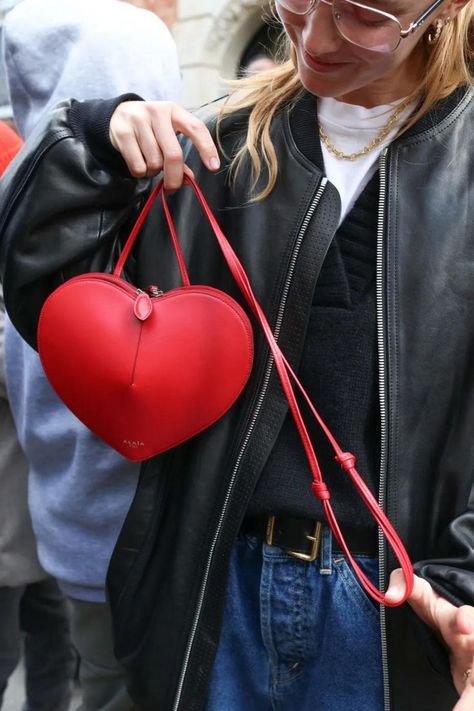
[(455, 626)]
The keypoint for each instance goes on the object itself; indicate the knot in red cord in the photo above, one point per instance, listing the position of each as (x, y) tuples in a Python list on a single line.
[(320, 490), (347, 460)]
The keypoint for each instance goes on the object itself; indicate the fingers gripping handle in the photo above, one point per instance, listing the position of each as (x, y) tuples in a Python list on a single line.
[(286, 374)]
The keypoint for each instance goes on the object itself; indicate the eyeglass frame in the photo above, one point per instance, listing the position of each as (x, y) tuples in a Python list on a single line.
[(416, 24)]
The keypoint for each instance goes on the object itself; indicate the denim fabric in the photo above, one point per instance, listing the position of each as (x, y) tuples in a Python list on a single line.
[(297, 636)]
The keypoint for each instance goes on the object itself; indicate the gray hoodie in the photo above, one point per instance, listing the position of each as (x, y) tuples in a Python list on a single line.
[(18, 560), (79, 489), (57, 49)]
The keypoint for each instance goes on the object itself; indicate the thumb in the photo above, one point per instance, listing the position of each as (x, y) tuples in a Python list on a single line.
[(396, 588), (464, 620), (423, 601)]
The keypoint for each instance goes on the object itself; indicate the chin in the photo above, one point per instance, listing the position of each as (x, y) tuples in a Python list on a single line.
[(322, 92), (319, 86)]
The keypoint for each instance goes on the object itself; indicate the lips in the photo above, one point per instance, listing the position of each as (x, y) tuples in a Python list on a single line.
[(321, 66)]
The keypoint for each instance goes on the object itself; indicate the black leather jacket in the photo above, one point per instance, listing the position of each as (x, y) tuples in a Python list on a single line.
[(65, 205)]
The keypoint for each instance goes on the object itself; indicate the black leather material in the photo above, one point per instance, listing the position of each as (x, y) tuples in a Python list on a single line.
[(294, 535), (63, 212)]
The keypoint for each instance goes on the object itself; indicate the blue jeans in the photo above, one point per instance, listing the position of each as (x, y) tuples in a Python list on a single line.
[(297, 636)]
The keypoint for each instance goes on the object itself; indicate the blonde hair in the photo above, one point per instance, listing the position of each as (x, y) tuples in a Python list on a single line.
[(448, 66)]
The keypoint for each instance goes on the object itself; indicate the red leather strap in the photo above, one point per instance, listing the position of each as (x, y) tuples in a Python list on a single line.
[(137, 227), (346, 459), (174, 237)]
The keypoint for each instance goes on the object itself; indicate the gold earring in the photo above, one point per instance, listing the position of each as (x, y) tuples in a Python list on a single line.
[(434, 33)]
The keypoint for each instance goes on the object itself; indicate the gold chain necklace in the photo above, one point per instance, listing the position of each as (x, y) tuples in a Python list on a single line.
[(383, 133)]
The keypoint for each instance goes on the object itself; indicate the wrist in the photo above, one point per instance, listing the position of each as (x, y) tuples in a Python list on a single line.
[(91, 121)]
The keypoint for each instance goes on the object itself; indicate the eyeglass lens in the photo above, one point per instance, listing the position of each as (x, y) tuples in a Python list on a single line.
[(363, 26), (366, 27)]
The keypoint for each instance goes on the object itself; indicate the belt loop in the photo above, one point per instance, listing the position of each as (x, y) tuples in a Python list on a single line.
[(326, 552)]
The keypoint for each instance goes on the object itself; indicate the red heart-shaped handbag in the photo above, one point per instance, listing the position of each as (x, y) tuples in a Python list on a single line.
[(144, 370)]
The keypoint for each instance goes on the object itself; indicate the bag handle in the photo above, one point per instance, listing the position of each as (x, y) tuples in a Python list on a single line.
[(346, 459), (137, 227)]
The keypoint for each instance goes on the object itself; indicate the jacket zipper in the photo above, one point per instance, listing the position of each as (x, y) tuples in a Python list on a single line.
[(266, 379), (383, 412)]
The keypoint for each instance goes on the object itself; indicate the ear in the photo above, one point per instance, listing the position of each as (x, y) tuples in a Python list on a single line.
[(453, 8)]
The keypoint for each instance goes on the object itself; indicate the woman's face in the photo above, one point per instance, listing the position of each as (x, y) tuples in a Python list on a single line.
[(329, 65)]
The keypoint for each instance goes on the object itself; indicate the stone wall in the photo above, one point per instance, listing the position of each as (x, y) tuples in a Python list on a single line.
[(211, 36)]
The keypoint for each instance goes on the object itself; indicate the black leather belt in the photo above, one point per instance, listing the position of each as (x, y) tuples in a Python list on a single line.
[(301, 537)]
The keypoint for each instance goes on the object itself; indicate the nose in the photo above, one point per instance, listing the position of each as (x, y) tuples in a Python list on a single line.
[(320, 35)]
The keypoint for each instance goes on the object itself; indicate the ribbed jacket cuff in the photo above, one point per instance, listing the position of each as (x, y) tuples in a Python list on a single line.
[(90, 120)]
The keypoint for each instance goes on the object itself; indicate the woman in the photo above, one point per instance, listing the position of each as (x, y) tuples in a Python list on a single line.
[(363, 268)]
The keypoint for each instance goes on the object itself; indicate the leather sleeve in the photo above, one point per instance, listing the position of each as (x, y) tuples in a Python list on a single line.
[(3, 389), (452, 577), (63, 211), (452, 574)]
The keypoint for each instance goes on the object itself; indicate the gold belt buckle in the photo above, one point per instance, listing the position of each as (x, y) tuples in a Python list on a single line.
[(315, 538)]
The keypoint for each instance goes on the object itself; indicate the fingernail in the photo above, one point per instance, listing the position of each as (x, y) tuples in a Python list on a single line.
[(214, 164)]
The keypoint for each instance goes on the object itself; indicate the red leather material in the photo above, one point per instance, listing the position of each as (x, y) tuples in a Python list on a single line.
[(144, 386), (144, 374), (143, 307)]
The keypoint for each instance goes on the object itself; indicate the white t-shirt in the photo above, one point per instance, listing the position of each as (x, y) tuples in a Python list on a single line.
[(350, 128)]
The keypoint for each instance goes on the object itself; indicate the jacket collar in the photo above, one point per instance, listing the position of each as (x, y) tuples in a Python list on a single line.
[(304, 128), (440, 111), (304, 122)]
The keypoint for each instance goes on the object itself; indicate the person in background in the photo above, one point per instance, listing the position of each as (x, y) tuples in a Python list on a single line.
[(10, 144), (79, 489), (259, 63), (31, 604)]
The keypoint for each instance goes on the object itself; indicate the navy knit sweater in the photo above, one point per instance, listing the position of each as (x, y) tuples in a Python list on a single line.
[(339, 372)]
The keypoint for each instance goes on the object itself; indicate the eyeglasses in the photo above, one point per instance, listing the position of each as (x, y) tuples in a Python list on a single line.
[(362, 25)]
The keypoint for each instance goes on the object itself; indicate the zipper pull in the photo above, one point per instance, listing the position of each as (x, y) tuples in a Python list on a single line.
[(154, 291), (142, 307)]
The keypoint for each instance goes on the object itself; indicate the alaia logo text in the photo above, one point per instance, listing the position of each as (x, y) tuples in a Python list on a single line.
[(133, 443)]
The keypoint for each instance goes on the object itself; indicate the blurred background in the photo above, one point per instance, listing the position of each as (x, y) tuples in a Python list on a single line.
[(217, 39)]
